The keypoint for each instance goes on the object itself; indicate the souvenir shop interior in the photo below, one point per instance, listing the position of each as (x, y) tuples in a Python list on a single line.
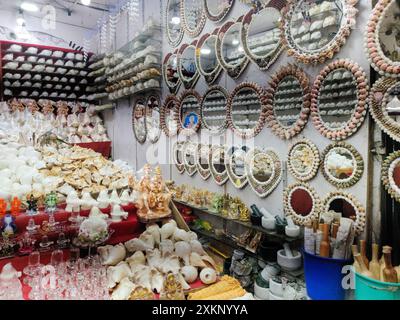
[(200, 150)]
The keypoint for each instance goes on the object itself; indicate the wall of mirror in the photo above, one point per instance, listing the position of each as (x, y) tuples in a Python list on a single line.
[(168, 116), (235, 162), (189, 159), (173, 23), (193, 17), (213, 109), (303, 160), (153, 118), (178, 155), (202, 156), (187, 67), (206, 57), (139, 120), (189, 115), (171, 73), (391, 175), (217, 10), (216, 162)]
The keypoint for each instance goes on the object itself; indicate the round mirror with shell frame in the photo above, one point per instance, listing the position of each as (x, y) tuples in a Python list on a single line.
[(235, 161), (339, 99), (261, 36), (189, 114), (303, 160), (382, 38), (168, 116), (193, 17), (301, 203), (173, 25), (314, 30), (202, 155), (187, 67), (206, 57), (342, 165), (177, 156), (288, 102), (391, 175), (170, 72), (189, 157), (139, 120), (216, 162), (230, 51), (263, 171), (217, 10), (153, 118), (348, 206), (213, 109)]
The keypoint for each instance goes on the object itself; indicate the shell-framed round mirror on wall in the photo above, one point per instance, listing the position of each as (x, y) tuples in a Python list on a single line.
[(216, 162), (315, 30), (263, 170), (301, 203), (170, 72), (348, 206), (173, 24), (342, 165), (139, 120), (391, 175), (177, 156), (168, 116), (189, 114), (187, 67), (288, 101), (246, 110), (206, 57), (189, 157), (213, 109), (383, 38), (217, 10), (339, 99), (193, 17), (202, 155), (153, 118), (230, 51), (235, 161), (303, 160), (261, 36)]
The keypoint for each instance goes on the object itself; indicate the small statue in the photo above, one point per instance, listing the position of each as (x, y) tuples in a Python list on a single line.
[(26, 244), (172, 289), (3, 207), (8, 228), (15, 206), (51, 202), (141, 293), (32, 205)]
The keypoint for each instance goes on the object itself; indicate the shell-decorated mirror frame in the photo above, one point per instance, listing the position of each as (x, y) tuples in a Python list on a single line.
[(178, 40), (204, 173), (190, 148), (379, 61), (263, 189), (204, 124), (238, 182), (188, 84), (222, 14), (143, 101), (156, 138), (220, 178), (290, 212), (359, 224), (328, 50), (172, 89), (311, 160), (181, 129), (178, 146), (170, 99), (200, 26), (360, 111), (388, 167), (272, 121)]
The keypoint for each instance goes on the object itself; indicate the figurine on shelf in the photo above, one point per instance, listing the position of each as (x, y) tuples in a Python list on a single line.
[(172, 289), (32, 205), (15, 206), (8, 226), (51, 202), (26, 244), (3, 207)]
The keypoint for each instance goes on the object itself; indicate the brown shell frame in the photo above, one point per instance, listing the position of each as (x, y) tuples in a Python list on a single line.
[(191, 83), (387, 175), (178, 114), (169, 99), (203, 119), (272, 122), (192, 33), (222, 15), (178, 145), (320, 56), (175, 88), (219, 178), (261, 121), (181, 33), (158, 98), (315, 165), (238, 70), (360, 111), (143, 99), (204, 173), (191, 170), (382, 64), (381, 117)]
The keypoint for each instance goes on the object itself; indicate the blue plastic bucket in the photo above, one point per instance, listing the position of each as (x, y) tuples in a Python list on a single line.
[(371, 289), (324, 277)]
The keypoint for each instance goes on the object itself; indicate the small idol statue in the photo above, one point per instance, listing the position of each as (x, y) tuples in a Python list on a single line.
[(32, 205)]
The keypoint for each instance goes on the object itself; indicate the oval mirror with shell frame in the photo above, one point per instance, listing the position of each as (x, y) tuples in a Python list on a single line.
[(391, 175), (303, 160), (342, 165), (177, 156), (189, 157), (382, 38), (348, 206), (139, 120), (206, 57), (301, 203), (173, 26), (202, 155), (153, 118), (310, 29), (194, 21), (339, 99), (187, 67), (288, 102), (188, 116), (261, 35), (170, 72), (168, 116), (216, 162), (230, 51), (217, 10), (246, 110), (385, 106), (235, 161), (263, 170), (213, 109)]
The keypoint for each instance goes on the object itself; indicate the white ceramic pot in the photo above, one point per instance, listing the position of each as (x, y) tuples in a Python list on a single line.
[(276, 289), (287, 263), (268, 224), (274, 297), (293, 232), (260, 292)]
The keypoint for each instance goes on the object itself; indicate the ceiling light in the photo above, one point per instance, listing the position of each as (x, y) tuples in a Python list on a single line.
[(22, 33), (85, 2), (20, 21), (29, 6), (205, 51), (235, 42), (175, 20)]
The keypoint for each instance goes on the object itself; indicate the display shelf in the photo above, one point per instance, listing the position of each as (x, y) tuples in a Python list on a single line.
[(47, 98), (145, 90), (5, 61), (14, 71)]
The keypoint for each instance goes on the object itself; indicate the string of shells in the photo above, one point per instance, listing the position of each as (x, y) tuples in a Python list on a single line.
[(387, 173)]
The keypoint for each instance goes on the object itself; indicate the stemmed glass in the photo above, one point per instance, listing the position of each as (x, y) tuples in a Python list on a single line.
[(33, 266)]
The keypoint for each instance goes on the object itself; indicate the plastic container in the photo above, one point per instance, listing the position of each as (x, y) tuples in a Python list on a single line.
[(324, 277), (371, 289)]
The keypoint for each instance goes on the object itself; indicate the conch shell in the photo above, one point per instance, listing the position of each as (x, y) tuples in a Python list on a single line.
[(154, 258), (166, 247), (112, 255), (142, 277), (180, 235), (208, 276), (117, 273), (137, 258), (137, 245), (156, 280), (168, 229), (154, 230), (182, 250), (190, 273), (123, 290), (197, 247), (196, 260), (171, 264)]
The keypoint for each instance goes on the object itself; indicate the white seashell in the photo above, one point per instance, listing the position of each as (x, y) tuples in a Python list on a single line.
[(154, 230), (123, 290), (117, 273), (137, 258), (182, 250), (95, 212), (192, 235), (142, 276), (180, 235), (196, 260), (171, 264), (112, 255), (125, 198), (181, 279), (190, 273), (208, 276), (137, 245), (197, 247), (154, 259), (147, 238), (168, 229), (166, 247), (156, 280), (114, 199)]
